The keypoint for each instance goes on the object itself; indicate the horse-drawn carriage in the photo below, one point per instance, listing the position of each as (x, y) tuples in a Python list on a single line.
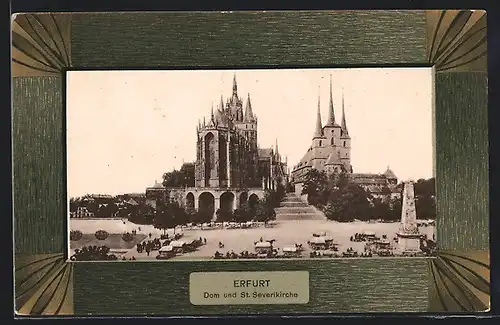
[(265, 248), (317, 243), (292, 251), (165, 252)]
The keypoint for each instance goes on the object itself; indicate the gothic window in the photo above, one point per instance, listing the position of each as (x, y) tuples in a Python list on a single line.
[(344, 143), (333, 141), (320, 143)]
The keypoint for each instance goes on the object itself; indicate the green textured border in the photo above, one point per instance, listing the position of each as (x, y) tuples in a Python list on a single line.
[(273, 39)]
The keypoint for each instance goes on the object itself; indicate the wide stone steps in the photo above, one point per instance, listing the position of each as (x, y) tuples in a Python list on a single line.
[(298, 210), (293, 204), (291, 198), (293, 208), (305, 216)]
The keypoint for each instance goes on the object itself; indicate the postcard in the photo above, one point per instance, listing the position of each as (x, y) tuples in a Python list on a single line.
[(208, 163)]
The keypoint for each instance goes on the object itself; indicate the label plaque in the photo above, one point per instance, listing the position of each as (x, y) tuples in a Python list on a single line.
[(249, 288)]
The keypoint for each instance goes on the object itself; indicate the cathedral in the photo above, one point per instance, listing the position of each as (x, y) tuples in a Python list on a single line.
[(330, 151), (227, 152), (230, 168)]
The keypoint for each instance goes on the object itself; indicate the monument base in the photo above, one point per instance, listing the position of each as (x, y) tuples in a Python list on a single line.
[(409, 243)]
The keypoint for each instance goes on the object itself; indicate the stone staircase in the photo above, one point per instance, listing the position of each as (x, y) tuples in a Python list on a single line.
[(292, 208)]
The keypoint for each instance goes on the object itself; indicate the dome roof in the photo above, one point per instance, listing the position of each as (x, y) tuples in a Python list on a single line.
[(389, 173), (158, 185)]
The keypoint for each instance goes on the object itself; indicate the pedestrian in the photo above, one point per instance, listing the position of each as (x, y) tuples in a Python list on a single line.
[(205, 240), (150, 235)]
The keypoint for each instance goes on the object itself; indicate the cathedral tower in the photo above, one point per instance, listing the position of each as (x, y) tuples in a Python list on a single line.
[(345, 141), (227, 151), (332, 130), (319, 140)]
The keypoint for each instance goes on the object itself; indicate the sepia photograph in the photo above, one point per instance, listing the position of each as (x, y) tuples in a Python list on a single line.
[(186, 165)]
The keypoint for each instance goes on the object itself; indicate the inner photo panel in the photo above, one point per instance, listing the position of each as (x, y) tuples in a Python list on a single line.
[(243, 164)]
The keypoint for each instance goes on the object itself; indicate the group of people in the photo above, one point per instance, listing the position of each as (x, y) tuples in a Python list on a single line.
[(149, 246), (176, 236), (362, 237), (93, 253), (245, 254)]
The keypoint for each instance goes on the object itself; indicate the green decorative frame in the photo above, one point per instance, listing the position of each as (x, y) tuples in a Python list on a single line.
[(45, 46)]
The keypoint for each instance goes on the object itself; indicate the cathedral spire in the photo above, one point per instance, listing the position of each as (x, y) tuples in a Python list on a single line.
[(212, 117), (331, 112), (344, 124), (221, 103), (235, 86), (248, 110), (277, 152), (319, 127)]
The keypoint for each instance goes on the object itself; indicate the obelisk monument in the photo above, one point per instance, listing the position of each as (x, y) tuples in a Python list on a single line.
[(408, 234)]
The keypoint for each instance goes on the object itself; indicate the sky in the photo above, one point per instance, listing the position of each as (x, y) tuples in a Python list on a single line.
[(126, 128)]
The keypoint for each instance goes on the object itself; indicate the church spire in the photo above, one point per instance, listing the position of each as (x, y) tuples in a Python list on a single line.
[(221, 103), (212, 117), (319, 127), (277, 152), (248, 110), (344, 124), (331, 112), (235, 86)]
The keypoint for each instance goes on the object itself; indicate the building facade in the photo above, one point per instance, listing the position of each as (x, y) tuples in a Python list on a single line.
[(230, 168), (155, 193), (330, 151)]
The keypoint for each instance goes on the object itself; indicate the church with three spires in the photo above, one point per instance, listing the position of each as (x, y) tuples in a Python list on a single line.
[(330, 152)]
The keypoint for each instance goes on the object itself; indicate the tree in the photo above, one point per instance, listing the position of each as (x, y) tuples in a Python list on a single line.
[(73, 204), (381, 208), (426, 207), (179, 213), (107, 210), (93, 207), (425, 187), (315, 186), (190, 214), (265, 208), (185, 177), (140, 214), (396, 205), (347, 203), (187, 174), (201, 216), (425, 198), (386, 194), (224, 215), (244, 213), (124, 212), (172, 179), (163, 218)]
